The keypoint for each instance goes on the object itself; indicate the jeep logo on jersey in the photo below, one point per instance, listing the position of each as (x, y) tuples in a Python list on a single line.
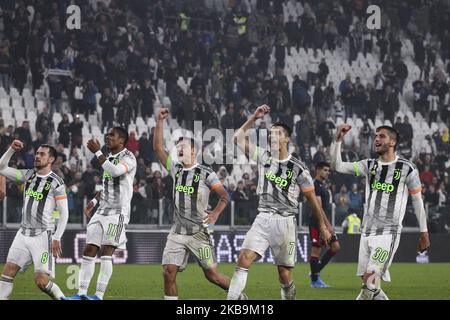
[(278, 180), (386, 187), (34, 194), (397, 174), (185, 189)]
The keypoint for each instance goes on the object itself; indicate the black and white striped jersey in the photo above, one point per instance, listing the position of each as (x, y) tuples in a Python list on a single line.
[(39, 200), (387, 189), (191, 189), (280, 183), (117, 192)]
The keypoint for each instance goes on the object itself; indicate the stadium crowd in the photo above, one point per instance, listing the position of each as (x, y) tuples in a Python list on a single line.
[(234, 54)]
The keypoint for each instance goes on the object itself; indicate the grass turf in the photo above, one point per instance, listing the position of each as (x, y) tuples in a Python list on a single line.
[(410, 281)]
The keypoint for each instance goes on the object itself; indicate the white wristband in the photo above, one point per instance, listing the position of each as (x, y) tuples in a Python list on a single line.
[(98, 153), (94, 201)]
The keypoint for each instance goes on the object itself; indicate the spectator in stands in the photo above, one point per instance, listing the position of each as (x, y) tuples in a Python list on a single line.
[(356, 201), (390, 103), (146, 148), (433, 106), (241, 198), (20, 73), (291, 29), (24, 134), (342, 201), (133, 143), (5, 67), (107, 105), (305, 153), (60, 152), (224, 177), (40, 139), (365, 142), (323, 71), (55, 91), (426, 176), (64, 131), (76, 131), (303, 130), (90, 100), (75, 160), (383, 44), (148, 98), (124, 111), (44, 124), (228, 119)]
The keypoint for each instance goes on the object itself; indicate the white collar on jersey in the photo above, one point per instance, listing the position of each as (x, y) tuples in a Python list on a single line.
[(192, 167), (115, 155), (45, 175), (386, 163)]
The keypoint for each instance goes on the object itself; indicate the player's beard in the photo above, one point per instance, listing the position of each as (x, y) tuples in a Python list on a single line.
[(41, 165), (382, 149)]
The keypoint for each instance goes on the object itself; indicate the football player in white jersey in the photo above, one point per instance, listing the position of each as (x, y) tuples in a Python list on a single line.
[(35, 242), (106, 229), (390, 179)]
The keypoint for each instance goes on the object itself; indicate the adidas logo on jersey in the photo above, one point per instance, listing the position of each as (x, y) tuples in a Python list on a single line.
[(386, 187), (185, 189), (34, 194), (278, 180)]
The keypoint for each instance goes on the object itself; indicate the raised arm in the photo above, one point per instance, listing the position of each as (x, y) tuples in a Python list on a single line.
[(113, 170), (158, 138), (239, 136), (336, 159), (8, 172)]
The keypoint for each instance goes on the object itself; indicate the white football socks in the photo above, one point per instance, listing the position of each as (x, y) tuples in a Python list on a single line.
[(106, 270), (53, 291), (237, 284), (86, 273), (6, 287), (288, 291)]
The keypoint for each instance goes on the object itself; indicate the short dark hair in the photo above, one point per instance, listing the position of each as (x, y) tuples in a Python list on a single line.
[(286, 128), (122, 134), (322, 164), (392, 133), (191, 140), (51, 150)]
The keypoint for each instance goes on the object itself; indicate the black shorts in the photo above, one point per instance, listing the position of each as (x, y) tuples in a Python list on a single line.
[(315, 238)]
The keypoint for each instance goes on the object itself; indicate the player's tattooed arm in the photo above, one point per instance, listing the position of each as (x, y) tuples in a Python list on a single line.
[(241, 139), (221, 205), (158, 137)]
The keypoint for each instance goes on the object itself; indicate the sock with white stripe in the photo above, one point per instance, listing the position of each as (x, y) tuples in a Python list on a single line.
[(170, 297), (106, 270), (53, 291), (237, 283), (288, 291), (86, 273), (6, 287)]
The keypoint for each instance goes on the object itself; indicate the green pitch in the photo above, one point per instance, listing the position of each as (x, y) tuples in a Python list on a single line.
[(410, 281)]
